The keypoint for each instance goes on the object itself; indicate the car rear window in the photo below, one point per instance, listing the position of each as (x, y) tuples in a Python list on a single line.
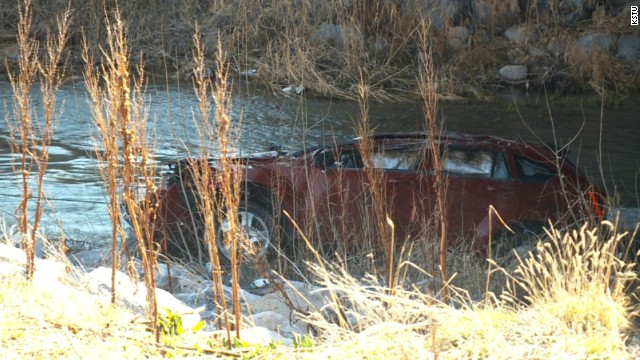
[(534, 170)]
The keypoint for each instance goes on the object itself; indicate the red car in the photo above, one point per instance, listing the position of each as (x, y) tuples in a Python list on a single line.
[(327, 193)]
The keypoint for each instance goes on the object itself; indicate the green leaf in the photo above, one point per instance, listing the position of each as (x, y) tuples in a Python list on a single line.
[(197, 327)]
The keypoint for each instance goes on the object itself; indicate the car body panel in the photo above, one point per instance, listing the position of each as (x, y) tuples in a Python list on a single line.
[(328, 188)]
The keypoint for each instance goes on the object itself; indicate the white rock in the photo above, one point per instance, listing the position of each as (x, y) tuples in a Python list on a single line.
[(258, 335), (276, 322), (9, 269), (293, 89), (514, 72), (12, 254), (132, 295), (182, 279), (91, 259), (47, 273)]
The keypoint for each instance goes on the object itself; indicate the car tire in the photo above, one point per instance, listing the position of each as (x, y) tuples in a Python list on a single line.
[(256, 225)]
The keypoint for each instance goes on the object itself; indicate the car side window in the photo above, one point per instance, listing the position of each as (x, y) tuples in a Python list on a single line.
[(395, 159), (339, 158), (468, 162), (348, 159), (534, 170)]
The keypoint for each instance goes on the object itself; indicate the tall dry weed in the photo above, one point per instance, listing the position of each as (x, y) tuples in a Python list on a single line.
[(120, 114), (35, 135), (215, 204), (428, 85)]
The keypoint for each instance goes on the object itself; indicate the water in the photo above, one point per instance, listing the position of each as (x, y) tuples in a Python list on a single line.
[(77, 199)]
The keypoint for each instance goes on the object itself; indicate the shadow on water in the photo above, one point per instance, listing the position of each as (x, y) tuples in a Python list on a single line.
[(264, 118)]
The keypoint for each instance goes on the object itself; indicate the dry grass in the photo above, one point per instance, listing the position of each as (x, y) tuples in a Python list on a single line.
[(328, 45), (578, 306), (569, 298), (65, 322), (581, 309)]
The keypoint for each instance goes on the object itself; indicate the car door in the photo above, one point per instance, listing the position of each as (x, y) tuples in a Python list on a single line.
[(478, 179), (338, 203), (400, 167), (350, 202)]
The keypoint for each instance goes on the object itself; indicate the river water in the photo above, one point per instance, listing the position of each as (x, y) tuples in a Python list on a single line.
[(78, 202)]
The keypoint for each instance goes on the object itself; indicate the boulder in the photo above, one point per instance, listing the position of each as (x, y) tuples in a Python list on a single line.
[(629, 48), (438, 12), (624, 12), (41, 245), (9, 269), (617, 3), (182, 279), (574, 5), (498, 14), (535, 52), (276, 322), (91, 259), (256, 335), (12, 254), (513, 73), (336, 35), (48, 273), (573, 11), (303, 296), (203, 296), (132, 295), (457, 38), (554, 47), (518, 33), (593, 42)]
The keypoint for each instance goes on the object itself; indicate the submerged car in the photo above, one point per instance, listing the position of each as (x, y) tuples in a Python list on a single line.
[(326, 190)]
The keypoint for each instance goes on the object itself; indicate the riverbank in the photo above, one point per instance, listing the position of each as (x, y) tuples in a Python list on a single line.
[(478, 46), (65, 312)]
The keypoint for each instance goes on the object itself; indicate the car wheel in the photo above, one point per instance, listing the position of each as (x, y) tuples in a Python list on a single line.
[(255, 233)]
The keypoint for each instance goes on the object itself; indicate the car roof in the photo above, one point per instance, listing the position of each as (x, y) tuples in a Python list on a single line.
[(459, 138)]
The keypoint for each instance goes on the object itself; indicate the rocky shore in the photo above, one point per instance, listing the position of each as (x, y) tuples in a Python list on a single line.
[(329, 47), (187, 293)]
